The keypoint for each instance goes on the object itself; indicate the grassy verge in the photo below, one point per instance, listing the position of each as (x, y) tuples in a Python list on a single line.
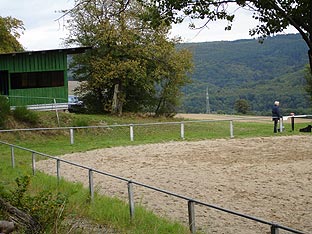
[(105, 211)]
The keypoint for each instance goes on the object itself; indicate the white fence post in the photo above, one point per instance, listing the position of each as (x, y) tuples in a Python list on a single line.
[(231, 129), (12, 157), (33, 156), (281, 124), (182, 130), (71, 132), (57, 116), (131, 132), (131, 199)]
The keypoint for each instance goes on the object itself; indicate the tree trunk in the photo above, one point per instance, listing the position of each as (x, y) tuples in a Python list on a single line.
[(115, 99), (117, 102)]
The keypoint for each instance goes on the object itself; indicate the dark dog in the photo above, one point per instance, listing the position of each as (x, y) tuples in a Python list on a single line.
[(306, 129)]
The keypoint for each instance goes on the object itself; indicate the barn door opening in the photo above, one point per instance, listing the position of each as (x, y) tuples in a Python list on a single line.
[(4, 82)]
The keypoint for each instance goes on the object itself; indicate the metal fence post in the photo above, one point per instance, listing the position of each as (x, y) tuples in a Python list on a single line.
[(191, 214), (71, 132), (131, 199), (12, 157), (33, 156), (182, 130), (91, 188), (58, 170), (281, 124), (274, 229), (57, 116), (131, 132), (231, 129)]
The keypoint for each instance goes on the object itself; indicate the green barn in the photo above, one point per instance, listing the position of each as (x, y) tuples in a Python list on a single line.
[(36, 77)]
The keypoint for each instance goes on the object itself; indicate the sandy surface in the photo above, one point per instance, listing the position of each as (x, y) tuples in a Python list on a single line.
[(243, 117), (270, 178)]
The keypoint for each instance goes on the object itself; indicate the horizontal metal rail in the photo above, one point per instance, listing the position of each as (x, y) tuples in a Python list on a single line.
[(133, 125), (265, 118), (127, 125), (191, 201)]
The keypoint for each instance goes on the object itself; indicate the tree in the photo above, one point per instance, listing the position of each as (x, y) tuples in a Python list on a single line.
[(9, 33), (308, 87), (273, 15), (131, 66), (242, 106)]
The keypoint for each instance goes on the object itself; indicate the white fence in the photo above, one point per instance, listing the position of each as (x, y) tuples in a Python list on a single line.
[(131, 127)]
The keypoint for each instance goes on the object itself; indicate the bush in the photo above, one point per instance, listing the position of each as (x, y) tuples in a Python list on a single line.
[(46, 208), (21, 113), (80, 123), (4, 110)]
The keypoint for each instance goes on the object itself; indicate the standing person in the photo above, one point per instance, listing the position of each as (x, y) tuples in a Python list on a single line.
[(276, 115)]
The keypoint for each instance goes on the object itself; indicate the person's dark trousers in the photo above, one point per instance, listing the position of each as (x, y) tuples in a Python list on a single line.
[(275, 124)]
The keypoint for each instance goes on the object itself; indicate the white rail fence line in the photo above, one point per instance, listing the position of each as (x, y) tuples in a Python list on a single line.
[(181, 123), (132, 127), (274, 227)]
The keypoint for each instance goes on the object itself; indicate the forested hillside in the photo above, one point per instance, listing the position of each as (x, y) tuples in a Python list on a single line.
[(247, 69)]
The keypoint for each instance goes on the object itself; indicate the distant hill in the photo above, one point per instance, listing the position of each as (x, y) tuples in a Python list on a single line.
[(247, 69)]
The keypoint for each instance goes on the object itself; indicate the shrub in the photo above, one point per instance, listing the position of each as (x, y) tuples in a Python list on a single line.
[(4, 110), (46, 208), (21, 113), (80, 123)]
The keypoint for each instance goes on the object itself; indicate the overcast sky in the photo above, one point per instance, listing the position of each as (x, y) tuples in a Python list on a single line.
[(44, 32)]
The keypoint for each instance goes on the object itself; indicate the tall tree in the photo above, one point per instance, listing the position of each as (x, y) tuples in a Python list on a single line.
[(273, 15), (241, 106), (10, 29), (128, 64)]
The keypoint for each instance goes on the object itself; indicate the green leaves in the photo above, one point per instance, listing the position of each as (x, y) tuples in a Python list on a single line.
[(131, 60), (10, 29)]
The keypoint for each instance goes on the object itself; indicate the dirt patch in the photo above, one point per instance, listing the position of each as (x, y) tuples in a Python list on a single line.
[(268, 177), (244, 118)]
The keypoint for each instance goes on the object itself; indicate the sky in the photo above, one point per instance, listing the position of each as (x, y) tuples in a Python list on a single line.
[(44, 32)]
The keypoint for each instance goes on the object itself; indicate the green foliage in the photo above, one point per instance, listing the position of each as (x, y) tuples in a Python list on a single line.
[(45, 207), (21, 113), (22, 186), (241, 106), (133, 67), (80, 123), (245, 69), (272, 16), (308, 87), (9, 33), (4, 110)]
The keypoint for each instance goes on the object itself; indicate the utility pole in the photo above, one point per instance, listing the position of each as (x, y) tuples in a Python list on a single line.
[(207, 102)]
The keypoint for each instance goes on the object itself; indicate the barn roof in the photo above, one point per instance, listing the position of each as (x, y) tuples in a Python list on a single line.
[(75, 50)]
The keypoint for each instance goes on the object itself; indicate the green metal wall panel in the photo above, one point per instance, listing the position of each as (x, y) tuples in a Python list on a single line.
[(28, 62), (36, 62), (21, 97)]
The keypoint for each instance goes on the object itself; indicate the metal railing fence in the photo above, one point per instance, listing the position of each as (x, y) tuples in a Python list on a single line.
[(30, 100), (274, 227), (179, 130), (37, 103)]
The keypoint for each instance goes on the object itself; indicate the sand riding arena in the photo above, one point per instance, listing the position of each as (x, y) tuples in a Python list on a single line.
[(269, 178)]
